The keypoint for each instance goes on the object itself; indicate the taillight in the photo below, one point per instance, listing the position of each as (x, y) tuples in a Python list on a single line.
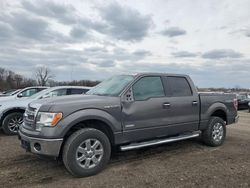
[(236, 104)]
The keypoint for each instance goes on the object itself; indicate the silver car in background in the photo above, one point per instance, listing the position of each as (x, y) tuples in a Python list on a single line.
[(12, 110), (21, 93)]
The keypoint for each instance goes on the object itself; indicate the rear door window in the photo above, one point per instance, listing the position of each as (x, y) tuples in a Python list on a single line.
[(178, 86), (58, 92), (75, 91)]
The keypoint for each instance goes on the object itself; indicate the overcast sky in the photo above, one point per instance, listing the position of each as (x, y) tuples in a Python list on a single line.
[(94, 39)]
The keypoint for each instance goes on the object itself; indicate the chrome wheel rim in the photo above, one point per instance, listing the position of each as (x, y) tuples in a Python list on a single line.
[(14, 123), (217, 132), (89, 153)]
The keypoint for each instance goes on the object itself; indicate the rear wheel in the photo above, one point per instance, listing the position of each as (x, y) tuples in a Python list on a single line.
[(12, 122), (215, 133), (86, 152)]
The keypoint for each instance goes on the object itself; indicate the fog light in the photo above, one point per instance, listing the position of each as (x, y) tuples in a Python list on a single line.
[(37, 147)]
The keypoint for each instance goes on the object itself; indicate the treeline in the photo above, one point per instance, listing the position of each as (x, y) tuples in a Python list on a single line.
[(89, 83), (12, 80), (225, 90)]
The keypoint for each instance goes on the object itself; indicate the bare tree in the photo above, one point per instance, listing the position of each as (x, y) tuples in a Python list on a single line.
[(43, 74)]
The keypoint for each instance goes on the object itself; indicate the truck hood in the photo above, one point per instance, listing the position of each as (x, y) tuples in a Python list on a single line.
[(70, 104)]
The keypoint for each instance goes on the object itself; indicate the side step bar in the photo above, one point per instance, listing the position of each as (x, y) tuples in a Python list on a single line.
[(160, 141)]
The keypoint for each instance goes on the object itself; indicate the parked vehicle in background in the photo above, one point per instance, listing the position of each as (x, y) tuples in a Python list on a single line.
[(11, 111), (126, 112), (22, 93), (243, 101), (249, 107), (9, 92)]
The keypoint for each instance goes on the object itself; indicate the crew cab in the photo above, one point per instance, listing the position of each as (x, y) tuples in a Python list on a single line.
[(11, 111), (125, 112)]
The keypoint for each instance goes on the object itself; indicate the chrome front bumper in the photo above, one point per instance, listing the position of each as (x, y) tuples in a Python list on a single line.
[(41, 146)]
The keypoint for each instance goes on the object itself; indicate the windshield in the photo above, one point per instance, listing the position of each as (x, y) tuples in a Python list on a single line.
[(11, 92), (112, 86), (40, 93)]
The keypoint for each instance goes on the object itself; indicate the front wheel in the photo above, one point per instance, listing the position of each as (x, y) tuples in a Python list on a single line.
[(12, 122), (86, 152), (215, 133)]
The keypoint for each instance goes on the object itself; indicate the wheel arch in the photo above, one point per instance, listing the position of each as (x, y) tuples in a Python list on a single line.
[(217, 109), (92, 123), (9, 111), (220, 113)]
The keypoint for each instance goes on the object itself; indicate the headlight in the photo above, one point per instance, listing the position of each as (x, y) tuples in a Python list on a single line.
[(248, 104), (47, 119)]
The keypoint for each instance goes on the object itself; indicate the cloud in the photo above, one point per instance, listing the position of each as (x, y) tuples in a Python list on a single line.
[(173, 32), (222, 53), (26, 26), (52, 10), (5, 30), (95, 49), (184, 54), (248, 34), (142, 53), (104, 63), (22, 29), (125, 23), (78, 33)]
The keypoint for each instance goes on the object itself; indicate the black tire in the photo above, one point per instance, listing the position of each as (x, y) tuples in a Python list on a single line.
[(70, 152), (207, 135), (8, 129)]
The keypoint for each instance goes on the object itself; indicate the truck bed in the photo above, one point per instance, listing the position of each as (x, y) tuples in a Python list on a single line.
[(210, 102)]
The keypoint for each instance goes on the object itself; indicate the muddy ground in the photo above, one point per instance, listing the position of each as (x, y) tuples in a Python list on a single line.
[(183, 164)]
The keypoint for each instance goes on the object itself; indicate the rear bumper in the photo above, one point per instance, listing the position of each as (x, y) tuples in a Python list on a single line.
[(41, 146)]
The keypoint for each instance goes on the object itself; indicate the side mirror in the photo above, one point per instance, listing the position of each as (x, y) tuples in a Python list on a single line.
[(45, 96), (128, 96), (20, 95)]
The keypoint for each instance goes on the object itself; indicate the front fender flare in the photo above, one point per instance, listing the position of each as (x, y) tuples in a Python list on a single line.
[(87, 114)]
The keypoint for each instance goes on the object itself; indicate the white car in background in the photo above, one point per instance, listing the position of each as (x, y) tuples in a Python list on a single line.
[(12, 110), (22, 93)]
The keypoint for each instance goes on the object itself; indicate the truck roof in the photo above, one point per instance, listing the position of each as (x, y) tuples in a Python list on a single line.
[(158, 74)]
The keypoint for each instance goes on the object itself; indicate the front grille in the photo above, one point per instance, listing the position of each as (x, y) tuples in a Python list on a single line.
[(29, 118)]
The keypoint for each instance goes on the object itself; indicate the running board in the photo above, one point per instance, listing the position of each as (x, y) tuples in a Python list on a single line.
[(160, 141)]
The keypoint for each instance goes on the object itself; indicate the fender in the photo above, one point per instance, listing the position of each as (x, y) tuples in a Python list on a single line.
[(214, 107), (61, 129)]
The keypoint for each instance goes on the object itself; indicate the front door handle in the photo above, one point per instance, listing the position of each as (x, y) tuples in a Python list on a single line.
[(166, 105), (194, 103)]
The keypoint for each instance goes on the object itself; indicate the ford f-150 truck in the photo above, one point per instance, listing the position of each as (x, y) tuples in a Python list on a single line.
[(125, 112)]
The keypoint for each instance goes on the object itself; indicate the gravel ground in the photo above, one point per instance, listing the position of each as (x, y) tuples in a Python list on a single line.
[(182, 164)]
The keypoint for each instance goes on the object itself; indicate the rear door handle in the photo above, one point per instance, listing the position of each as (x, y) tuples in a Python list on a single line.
[(194, 103), (166, 105)]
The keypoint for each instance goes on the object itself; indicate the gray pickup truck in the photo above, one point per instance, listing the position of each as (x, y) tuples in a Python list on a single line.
[(125, 112)]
